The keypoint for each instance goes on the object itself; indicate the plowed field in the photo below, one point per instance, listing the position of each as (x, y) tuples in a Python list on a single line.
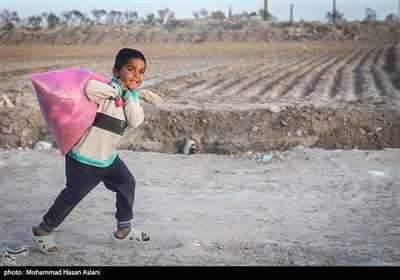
[(233, 97)]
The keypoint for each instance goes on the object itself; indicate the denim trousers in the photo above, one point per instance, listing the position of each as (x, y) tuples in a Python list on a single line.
[(82, 178)]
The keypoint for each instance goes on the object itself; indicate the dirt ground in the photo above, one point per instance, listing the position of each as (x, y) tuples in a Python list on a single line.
[(298, 162), (304, 207)]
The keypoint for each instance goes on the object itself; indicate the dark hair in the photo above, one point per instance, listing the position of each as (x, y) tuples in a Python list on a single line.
[(124, 55)]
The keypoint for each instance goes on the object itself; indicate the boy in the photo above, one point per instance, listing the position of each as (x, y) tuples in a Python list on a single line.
[(94, 159)]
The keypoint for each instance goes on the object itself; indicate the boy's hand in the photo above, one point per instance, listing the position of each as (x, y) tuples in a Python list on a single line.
[(123, 85)]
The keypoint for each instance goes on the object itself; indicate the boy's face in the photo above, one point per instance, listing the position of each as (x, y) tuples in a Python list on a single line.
[(132, 73)]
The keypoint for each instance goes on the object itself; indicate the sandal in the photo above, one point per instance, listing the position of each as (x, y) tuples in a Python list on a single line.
[(134, 234), (44, 243)]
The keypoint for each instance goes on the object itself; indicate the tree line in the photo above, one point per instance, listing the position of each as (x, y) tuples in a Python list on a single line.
[(11, 20)]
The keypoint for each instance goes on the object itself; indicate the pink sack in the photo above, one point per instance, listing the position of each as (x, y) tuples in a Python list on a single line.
[(66, 110)]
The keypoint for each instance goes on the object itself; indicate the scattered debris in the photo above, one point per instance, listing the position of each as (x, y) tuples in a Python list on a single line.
[(190, 146), (5, 101), (266, 158), (42, 145)]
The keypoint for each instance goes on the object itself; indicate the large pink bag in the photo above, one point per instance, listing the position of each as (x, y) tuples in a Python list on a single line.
[(66, 110)]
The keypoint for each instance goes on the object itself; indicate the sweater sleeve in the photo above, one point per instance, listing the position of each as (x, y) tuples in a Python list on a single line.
[(134, 114), (97, 91)]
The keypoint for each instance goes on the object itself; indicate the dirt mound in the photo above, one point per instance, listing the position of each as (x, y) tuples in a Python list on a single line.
[(200, 31), (232, 132)]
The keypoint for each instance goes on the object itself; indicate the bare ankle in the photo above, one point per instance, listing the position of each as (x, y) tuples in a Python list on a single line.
[(40, 232), (121, 233)]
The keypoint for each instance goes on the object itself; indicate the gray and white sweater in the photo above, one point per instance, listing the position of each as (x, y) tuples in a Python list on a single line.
[(98, 144)]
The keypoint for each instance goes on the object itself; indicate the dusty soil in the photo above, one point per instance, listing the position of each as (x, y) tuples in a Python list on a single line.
[(305, 207), (325, 106)]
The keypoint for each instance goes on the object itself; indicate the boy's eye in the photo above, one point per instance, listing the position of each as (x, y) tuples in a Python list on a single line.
[(130, 69)]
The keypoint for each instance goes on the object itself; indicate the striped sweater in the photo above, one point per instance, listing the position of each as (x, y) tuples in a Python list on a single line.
[(98, 145)]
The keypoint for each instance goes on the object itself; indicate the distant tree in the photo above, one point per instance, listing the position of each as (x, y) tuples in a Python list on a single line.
[(51, 19), (77, 18), (270, 16), (66, 18), (110, 17), (203, 14), (86, 20), (239, 16), (370, 15), (119, 16), (150, 20), (98, 14), (339, 18), (131, 17), (252, 15), (114, 17), (245, 15), (392, 17), (218, 15), (165, 16), (15, 20), (9, 20), (35, 22)]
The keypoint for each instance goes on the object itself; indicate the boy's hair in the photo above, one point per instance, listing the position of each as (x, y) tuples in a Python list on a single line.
[(125, 54)]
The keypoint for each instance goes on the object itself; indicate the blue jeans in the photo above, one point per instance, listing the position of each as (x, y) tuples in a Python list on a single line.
[(82, 178)]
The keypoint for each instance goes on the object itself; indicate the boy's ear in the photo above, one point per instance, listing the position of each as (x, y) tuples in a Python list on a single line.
[(115, 72)]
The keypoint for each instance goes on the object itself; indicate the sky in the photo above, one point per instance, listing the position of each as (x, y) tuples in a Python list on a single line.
[(308, 10)]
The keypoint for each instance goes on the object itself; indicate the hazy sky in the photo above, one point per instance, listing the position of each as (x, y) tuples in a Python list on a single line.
[(302, 9)]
